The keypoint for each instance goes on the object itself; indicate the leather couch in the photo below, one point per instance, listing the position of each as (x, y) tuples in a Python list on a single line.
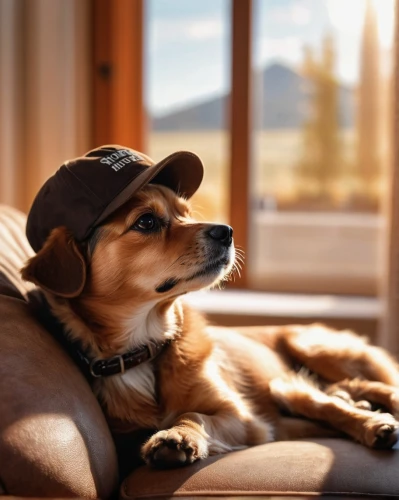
[(54, 440)]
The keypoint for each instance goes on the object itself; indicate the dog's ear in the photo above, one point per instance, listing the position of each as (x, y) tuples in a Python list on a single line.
[(59, 267)]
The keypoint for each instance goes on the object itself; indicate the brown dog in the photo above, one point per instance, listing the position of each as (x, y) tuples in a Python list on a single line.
[(207, 390)]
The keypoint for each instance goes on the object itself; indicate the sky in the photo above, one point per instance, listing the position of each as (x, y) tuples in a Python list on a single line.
[(188, 42)]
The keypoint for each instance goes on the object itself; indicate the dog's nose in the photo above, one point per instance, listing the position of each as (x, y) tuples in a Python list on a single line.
[(222, 233)]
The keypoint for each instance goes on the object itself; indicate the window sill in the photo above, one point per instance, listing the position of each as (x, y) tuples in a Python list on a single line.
[(249, 303)]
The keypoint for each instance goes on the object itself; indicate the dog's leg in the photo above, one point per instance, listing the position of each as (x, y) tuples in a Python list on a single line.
[(374, 392), (340, 355), (195, 436), (300, 397), (336, 391)]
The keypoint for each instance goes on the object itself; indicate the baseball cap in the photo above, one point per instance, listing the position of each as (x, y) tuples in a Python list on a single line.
[(84, 191)]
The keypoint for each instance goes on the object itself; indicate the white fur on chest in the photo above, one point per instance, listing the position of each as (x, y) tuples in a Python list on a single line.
[(145, 326), (140, 379)]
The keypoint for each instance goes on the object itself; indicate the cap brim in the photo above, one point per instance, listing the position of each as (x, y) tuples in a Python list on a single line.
[(182, 172)]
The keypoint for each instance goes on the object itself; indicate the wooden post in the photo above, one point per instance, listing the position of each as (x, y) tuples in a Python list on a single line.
[(389, 328), (241, 121), (118, 102)]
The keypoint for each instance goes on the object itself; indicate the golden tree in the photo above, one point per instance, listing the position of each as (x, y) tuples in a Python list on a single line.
[(368, 167), (319, 165)]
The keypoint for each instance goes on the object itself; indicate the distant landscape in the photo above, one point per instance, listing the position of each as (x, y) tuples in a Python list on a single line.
[(282, 99), (285, 108), (276, 154)]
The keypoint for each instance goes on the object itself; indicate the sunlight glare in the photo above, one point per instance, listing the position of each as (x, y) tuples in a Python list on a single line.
[(348, 16)]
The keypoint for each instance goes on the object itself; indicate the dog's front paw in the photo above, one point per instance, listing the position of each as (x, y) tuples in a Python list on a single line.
[(381, 431), (174, 447)]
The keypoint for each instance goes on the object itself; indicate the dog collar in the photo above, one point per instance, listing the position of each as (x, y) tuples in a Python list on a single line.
[(122, 362), (90, 367)]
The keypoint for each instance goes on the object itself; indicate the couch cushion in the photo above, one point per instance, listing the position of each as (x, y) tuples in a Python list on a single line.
[(333, 466), (54, 440), (14, 251)]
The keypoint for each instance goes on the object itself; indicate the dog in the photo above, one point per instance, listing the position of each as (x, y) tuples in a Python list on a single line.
[(205, 390)]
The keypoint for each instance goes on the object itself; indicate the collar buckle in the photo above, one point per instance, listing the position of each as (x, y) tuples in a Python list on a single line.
[(118, 357)]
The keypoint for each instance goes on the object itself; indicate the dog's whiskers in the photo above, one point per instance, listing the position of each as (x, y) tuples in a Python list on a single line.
[(231, 276), (237, 269), (240, 254), (198, 213)]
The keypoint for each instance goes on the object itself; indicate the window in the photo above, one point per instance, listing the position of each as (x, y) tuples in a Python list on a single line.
[(288, 104)]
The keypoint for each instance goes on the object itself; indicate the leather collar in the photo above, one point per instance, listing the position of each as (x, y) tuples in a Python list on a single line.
[(120, 363)]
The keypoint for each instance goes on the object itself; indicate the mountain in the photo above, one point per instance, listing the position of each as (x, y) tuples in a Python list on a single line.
[(284, 103)]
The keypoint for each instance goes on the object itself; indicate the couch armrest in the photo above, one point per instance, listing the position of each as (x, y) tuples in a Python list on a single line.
[(54, 440)]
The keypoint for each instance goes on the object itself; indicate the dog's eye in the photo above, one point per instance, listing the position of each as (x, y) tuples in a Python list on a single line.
[(146, 222)]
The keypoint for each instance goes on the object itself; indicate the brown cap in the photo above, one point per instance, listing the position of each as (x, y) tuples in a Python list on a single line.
[(85, 191)]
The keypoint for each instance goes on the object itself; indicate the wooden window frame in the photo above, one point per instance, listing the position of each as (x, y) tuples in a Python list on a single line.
[(118, 98), (389, 286), (241, 125)]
